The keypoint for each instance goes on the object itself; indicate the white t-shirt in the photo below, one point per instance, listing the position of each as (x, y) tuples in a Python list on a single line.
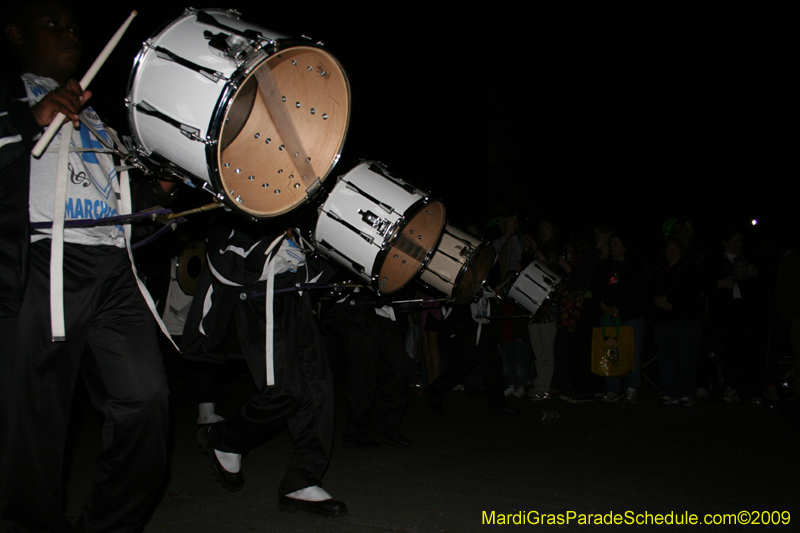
[(90, 194)]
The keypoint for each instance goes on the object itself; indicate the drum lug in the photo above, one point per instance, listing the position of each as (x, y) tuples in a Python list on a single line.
[(226, 46), (218, 196), (368, 238), (389, 209), (232, 12), (167, 55), (191, 132), (237, 49), (133, 152), (380, 224), (251, 57), (186, 130)]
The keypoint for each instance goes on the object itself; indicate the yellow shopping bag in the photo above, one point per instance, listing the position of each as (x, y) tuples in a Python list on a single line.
[(612, 350)]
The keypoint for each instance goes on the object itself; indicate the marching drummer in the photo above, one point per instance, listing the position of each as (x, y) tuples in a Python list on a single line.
[(103, 308), (295, 387)]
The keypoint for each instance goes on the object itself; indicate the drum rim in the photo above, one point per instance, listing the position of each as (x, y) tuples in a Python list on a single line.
[(137, 61), (225, 100), (482, 246), (409, 213)]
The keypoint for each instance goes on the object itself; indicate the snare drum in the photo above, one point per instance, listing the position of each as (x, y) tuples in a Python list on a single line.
[(379, 227), (459, 266), (533, 286), (261, 119)]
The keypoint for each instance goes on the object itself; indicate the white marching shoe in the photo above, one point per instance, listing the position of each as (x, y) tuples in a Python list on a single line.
[(314, 500), (206, 414)]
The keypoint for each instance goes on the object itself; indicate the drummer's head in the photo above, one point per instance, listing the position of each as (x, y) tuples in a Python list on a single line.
[(45, 38), (509, 226)]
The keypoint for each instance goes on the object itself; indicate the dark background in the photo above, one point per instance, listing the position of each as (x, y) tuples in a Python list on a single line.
[(583, 113), (635, 116)]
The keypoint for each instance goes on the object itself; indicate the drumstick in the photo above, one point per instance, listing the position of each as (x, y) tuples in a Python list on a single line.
[(55, 124), (203, 208)]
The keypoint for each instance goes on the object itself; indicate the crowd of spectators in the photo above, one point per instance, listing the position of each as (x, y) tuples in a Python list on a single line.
[(713, 313)]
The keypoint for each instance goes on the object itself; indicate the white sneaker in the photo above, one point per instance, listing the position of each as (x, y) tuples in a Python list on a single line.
[(519, 391), (631, 395), (611, 397), (509, 391)]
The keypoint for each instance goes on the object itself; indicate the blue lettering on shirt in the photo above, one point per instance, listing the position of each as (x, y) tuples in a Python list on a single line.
[(78, 208), (38, 90)]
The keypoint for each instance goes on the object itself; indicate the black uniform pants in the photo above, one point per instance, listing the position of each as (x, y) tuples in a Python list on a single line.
[(464, 354), (124, 374), (302, 396), (378, 370)]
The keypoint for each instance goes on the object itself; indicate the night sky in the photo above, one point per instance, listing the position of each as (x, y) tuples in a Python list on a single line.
[(588, 113), (635, 116)]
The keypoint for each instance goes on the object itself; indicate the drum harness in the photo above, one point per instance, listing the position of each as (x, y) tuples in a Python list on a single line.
[(122, 192)]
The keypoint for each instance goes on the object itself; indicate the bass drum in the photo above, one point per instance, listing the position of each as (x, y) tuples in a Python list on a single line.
[(259, 118), (460, 265), (533, 286), (379, 227)]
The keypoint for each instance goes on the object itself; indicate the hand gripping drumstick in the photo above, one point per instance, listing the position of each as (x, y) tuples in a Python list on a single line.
[(55, 124)]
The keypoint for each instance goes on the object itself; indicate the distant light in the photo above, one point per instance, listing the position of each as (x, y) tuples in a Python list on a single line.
[(754, 222)]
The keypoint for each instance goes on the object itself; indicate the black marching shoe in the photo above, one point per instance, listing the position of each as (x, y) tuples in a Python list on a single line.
[(230, 480), (328, 508)]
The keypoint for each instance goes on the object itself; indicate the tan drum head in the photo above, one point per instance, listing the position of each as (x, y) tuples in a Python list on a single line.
[(474, 274), (190, 263), (258, 168), (411, 247)]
